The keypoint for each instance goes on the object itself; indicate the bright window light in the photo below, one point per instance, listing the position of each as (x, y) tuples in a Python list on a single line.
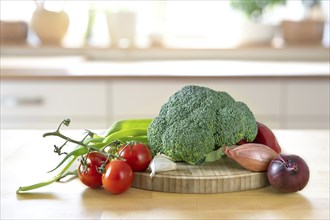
[(177, 24)]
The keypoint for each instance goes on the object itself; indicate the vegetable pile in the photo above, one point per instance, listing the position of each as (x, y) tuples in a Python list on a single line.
[(196, 125)]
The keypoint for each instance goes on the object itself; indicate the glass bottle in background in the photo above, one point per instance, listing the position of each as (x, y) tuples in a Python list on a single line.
[(96, 34)]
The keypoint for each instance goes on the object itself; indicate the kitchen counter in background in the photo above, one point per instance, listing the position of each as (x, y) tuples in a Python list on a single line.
[(72, 200), (260, 53), (38, 92), (79, 67)]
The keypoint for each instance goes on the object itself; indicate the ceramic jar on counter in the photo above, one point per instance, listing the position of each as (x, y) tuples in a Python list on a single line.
[(50, 26)]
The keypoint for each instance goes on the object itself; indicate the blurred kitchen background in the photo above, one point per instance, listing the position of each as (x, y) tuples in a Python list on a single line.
[(101, 61)]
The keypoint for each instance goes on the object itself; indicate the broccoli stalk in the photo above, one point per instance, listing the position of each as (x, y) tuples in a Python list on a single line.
[(196, 121)]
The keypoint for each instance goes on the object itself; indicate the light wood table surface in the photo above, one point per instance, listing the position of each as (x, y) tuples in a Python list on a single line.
[(26, 156)]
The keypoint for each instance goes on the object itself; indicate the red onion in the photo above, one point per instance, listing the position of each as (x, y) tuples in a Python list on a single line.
[(288, 173)]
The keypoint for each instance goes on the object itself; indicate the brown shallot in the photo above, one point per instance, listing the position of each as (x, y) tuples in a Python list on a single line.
[(252, 156)]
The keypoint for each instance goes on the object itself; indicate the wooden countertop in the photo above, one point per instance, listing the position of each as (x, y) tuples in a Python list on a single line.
[(66, 67), (26, 156)]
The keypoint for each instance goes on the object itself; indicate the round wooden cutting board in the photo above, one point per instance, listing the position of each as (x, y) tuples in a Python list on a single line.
[(221, 176)]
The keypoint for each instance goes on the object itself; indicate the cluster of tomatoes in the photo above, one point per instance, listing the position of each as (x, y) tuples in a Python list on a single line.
[(119, 173)]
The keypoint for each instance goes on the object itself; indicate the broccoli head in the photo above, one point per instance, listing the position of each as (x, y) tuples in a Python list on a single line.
[(198, 120)]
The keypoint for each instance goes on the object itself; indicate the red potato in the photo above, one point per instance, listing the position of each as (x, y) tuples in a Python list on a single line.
[(265, 136)]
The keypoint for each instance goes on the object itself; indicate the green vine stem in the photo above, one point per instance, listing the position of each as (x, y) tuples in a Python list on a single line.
[(127, 130), (54, 179)]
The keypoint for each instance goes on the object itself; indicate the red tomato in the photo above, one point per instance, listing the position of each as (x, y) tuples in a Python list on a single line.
[(91, 177), (137, 155), (118, 177)]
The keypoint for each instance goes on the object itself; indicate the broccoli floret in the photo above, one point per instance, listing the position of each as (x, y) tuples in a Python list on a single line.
[(198, 120), (197, 130), (233, 123), (155, 133)]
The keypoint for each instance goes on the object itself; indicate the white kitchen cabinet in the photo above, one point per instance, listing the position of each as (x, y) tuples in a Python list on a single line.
[(94, 94), (307, 103), (44, 103), (279, 102), (144, 97)]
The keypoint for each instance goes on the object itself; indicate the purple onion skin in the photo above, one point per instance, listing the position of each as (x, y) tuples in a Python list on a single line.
[(288, 173)]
